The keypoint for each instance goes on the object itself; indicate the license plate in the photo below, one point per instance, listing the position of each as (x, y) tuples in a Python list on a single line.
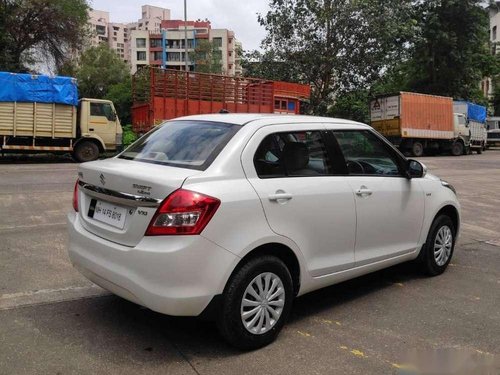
[(108, 213)]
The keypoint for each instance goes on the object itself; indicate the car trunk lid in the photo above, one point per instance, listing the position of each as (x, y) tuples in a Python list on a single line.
[(118, 197)]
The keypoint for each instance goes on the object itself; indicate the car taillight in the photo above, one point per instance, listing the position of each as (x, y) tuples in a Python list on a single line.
[(183, 212), (75, 196)]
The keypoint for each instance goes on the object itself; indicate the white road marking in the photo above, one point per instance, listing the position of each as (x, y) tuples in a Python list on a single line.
[(45, 296)]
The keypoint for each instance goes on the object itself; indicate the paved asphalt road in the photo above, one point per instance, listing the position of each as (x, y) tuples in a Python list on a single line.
[(53, 321)]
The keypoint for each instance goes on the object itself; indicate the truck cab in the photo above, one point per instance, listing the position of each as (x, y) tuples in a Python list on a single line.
[(99, 129), (461, 128)]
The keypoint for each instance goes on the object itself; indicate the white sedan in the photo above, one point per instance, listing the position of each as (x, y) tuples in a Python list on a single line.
[(234, 215)]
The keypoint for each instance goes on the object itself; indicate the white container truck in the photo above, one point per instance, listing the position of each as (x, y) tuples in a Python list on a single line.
[(476, 121), (43, 114)]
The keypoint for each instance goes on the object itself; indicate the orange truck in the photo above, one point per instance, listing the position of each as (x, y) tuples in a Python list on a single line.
[(417, 123), (163, 94)]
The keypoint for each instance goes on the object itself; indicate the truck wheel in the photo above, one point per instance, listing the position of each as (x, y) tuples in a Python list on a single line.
[(417, 149), (457, 149), (480, 150), (86, 151)]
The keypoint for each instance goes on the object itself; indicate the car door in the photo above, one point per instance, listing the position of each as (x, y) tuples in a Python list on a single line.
[(302, 193), (389, 206), (102, 122)]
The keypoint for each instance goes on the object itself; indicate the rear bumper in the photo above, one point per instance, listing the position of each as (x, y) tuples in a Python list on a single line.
[(175, 275)]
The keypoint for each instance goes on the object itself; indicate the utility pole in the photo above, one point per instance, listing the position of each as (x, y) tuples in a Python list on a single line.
[(186, 35)]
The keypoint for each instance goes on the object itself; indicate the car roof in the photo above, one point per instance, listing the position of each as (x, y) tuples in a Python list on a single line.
[(268, 119)]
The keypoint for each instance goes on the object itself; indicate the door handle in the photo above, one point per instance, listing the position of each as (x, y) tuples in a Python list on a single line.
[(280, 196), (363, 191), (91, 129)]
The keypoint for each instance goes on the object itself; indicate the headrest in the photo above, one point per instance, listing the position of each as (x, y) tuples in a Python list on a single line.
[(295, 156)]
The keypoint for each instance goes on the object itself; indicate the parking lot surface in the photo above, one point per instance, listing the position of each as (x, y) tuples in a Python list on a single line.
[(54, 321)]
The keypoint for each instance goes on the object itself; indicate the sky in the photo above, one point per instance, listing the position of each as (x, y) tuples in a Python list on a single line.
[(237, 15)]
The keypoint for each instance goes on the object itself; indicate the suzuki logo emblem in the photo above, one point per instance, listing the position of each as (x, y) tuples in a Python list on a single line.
[(103, 179)]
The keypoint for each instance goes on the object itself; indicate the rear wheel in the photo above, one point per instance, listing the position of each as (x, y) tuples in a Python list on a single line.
[(257, 302), (438, 249), (417, 149), (86, 151), (457, 149), (480, 150)]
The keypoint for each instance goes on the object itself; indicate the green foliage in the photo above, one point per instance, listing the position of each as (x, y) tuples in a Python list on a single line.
[(99, 68), (451, 54), (31, 29), (336, 45), (269, 66), (129, 136), (207, 57), (121, 95)]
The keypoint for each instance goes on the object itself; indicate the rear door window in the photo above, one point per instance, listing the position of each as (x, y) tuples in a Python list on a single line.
[(293, 154), (185, 144)]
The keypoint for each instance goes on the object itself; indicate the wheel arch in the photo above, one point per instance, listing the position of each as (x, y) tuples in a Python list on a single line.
[(282, 252), (452, 212), (95, 139)]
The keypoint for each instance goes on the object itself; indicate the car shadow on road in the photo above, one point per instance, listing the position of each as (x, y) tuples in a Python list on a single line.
[(35, 158), (122, 331)]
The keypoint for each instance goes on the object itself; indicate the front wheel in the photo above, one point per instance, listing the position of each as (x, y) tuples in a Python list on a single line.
[(438, 249), (257, 302), (457, 149), (86, 151)]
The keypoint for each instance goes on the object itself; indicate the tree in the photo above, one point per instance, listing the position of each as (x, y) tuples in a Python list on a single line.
[(99, 68), (207, 57), (121, 96), (33, 28), (337, 45), (451, 54), (267, 65)]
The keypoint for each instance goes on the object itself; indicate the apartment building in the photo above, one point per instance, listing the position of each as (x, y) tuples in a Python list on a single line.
[(157, 40), (98, 23), (167, 48), (151, 18), (118, 40), (117, 35)]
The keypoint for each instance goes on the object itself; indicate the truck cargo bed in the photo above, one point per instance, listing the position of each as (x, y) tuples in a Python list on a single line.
[(37, 120)]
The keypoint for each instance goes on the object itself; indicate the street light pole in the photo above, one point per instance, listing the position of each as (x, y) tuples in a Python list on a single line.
[(185, 35)]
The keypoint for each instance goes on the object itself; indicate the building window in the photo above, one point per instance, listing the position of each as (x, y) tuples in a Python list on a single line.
[(100, 30), (157, 55), (141, 55), (140, 43), (174, 56), (494, 33), (217, 42), (154, 43)]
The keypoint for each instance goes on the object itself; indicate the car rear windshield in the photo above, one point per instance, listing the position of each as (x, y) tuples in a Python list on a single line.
[(185, 144)]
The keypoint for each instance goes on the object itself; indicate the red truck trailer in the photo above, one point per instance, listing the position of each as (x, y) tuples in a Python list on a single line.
[(163, 94)]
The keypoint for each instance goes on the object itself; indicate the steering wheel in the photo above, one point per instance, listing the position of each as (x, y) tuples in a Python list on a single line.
[(355, 167)]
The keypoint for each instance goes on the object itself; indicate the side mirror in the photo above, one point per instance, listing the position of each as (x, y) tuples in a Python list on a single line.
[(416, 169)]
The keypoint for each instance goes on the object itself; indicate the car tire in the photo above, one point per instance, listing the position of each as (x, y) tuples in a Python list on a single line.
[(457, 149), (417, 149), (231, 320), (437, 251), (86, 151)]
